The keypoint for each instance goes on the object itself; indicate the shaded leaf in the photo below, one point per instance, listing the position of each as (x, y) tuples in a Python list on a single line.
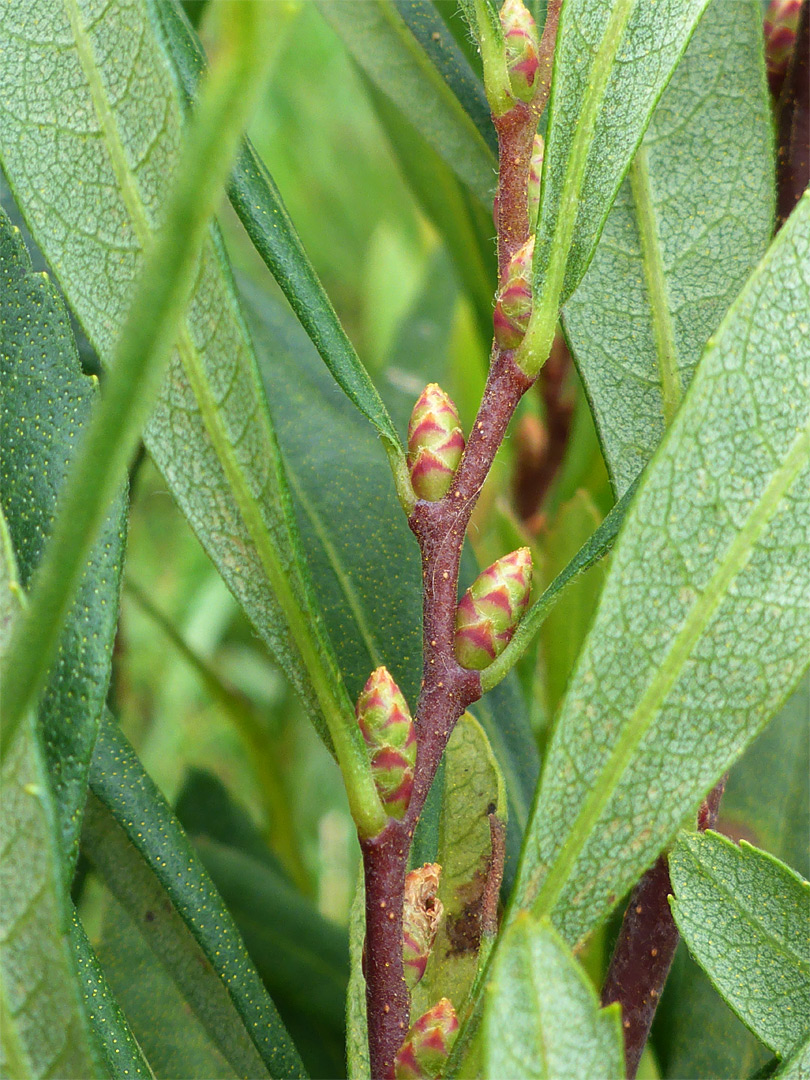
[(357, 1058), (703, 623), (473, 789), (122, 1054), (45, 403), (386, 49), (745, 917), (139, 848), (261, 210), (42, 1020), (210, 433), (686, 229), (542, 1017)]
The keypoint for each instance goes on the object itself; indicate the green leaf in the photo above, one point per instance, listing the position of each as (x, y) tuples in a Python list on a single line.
[(383, 45), (745, 917), (542, 1018), (173, 1038), (43, 1028), (139, 848), (766, 801), (45, 404), (123, 1056), (702, 627), (567, 624), (612, 60), (210, 433), (424, 20), (473, 789), (797, 1067), (357, 1058), (686, 229), (261, 210)]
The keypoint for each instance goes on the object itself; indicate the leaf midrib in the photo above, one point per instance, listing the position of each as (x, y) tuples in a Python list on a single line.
[(653, 268), (733, 562), (780, 945), (248, 508)]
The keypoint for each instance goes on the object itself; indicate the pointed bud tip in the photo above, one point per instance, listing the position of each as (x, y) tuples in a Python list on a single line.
[(513, 307), (435, 443), (385, 720), (489, 612), (428, 1043)]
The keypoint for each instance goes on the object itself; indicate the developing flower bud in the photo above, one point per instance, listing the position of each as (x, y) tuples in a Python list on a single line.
[(435, 443), (522, 48), (388, 729), (428, 1044), (513, 306), (421, 914), (535, 172), (780, 26), (491, 609)]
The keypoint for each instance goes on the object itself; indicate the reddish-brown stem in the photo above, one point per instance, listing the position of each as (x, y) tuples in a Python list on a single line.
[(447, 688), (646, 946), (793, 136)]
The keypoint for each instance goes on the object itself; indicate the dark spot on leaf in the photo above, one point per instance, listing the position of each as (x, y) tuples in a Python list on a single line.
[(149, 916)]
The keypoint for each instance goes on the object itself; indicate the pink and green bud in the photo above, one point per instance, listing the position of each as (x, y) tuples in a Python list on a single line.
[(522, 48), (491, 609), (387, 727), (780, 26), (535, 173), (428, 1044), (435, 443), (421, 915), (513, 305)]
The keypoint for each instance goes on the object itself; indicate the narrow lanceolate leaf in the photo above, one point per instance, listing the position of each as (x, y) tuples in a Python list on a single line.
[(745, 917), (43, 1029), (45, 403), (688, 225), (122, 1055), (259, 205), (704, 622), (612, 60), (385, 48), (473, 789), (145, 859), (542, 1018), (210, 432)]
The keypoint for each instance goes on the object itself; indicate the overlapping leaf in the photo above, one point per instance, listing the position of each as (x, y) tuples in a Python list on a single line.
[(90, 159), (42, 1020), (746, 919), (687, 227), (612, 61), (140, 850), (703, 625), (394, 59), (45, 403), (542, 1018)]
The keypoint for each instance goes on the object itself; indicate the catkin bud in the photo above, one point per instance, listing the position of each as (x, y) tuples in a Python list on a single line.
[(535, 173), (513, 305), (491, 609), (421, 914), (435, 443), (388, 729), (428, 1044), (522, 48)]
